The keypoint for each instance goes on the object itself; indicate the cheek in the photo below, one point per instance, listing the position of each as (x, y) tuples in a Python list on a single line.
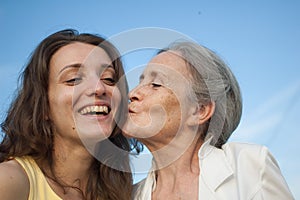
[(116, 97), (166, 100), (60, 104), (174, 110), (116, 101), (172, 104)]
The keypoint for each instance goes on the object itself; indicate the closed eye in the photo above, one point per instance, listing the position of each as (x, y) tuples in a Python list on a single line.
[(155, 85)]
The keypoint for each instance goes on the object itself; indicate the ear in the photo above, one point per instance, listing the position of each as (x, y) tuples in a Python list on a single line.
[(201, 114)]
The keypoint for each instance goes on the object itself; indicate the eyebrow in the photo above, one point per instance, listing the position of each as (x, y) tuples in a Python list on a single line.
[(154, 74), (78, 65), (141, 77), (75, 65)]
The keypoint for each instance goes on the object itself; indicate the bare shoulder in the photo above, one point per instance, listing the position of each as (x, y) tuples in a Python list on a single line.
[(13, 178)]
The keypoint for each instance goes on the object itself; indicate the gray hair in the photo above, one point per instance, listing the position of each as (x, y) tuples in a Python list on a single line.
[(212, 81)]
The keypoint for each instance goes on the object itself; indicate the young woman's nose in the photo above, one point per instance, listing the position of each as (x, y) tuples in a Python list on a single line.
[(95, 87)]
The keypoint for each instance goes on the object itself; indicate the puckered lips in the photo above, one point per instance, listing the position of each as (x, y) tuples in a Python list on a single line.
[(131, 109)]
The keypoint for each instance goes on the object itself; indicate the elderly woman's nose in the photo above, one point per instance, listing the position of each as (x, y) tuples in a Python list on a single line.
[(135, 94)]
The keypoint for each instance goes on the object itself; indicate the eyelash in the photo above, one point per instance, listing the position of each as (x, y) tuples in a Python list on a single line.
[(109, 81), (73, 81), (155, 85)]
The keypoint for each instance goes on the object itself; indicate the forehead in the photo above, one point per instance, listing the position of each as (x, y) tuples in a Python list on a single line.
[(167, 64), (78, 52)]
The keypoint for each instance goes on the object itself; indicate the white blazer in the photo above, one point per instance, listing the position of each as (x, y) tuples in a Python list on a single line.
[(238, 171)]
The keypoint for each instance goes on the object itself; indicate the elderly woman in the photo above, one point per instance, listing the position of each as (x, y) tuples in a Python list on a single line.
[(184, 109)]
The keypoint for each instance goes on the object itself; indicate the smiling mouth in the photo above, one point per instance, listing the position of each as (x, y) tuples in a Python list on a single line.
[(95, 110)]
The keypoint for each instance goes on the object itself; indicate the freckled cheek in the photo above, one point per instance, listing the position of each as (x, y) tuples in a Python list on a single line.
[(173, 108)]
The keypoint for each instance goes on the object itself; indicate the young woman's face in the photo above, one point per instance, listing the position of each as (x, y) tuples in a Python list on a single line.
[(159, 103), (83, 95)]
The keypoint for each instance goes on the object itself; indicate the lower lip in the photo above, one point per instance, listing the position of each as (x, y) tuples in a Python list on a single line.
[(131, 113)]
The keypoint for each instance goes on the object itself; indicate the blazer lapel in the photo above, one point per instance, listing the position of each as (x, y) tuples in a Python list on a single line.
[(214, 166)]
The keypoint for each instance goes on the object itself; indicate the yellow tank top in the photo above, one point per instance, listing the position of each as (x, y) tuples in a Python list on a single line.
[(39, 187)]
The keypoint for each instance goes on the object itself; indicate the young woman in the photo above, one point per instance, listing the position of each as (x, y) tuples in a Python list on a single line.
[(62, 137)]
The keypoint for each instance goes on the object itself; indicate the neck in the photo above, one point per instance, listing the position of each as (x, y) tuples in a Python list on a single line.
[(176, 151), (187, 161), (180, 178), (71, 164)]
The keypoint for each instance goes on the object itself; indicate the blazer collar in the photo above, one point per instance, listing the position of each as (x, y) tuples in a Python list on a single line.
[(214, 166)]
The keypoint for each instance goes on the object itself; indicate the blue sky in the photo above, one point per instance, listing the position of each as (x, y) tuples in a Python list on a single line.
[(260, 40)]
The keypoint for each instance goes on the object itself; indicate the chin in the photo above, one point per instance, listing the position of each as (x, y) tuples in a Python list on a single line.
[(128, 130), (94, 135), (133, 130)]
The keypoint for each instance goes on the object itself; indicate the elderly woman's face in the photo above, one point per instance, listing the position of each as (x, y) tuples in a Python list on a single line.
[(159, 104), (83, 95)]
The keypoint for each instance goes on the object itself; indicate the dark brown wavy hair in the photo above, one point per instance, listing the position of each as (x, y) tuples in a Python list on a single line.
[(27, 133)]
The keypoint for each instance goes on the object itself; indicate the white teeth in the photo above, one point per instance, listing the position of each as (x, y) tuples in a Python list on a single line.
[(94, 110), (105, 109), (88, 109)]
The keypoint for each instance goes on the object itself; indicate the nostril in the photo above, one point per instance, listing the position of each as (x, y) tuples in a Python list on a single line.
[(99, 93), (134, 98), (135, 94)]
